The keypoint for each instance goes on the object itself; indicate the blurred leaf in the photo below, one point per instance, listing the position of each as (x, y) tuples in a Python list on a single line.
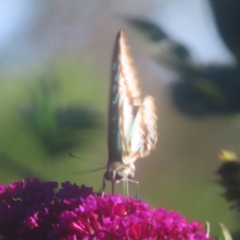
[(212, 90), (77, 117), (149, 29), (201, 89), (224, 234), (227, 18), (54, 125)]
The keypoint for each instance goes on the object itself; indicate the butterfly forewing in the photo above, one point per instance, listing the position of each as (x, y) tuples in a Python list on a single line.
[(124, 100)]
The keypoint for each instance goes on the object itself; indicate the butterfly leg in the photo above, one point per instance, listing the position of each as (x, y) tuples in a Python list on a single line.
[(112, 188), (137, 183), (102, 190), (125, 187)]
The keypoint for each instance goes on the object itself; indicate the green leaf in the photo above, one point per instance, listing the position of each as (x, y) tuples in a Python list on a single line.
[(224, 234)]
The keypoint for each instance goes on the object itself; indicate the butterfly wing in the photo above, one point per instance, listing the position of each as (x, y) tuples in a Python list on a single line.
[(124, 100), (143, 132)]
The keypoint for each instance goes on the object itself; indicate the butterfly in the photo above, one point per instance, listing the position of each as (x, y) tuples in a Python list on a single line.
[(132, 129)]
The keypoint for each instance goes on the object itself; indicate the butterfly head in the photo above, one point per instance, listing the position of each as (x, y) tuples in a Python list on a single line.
[(117, 171)]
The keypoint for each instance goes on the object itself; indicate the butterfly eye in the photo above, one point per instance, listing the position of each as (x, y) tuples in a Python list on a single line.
[(113, 175), (130, 175), (108, 175), (119, 175)]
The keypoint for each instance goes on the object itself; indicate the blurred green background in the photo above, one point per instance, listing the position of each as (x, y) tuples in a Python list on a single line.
[(55, 66)]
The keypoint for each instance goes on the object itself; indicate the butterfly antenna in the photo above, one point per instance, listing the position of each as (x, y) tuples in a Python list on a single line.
[(71, 155), (91, 170)]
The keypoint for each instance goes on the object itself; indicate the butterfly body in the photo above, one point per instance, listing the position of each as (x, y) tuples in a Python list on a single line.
[(132, 130)]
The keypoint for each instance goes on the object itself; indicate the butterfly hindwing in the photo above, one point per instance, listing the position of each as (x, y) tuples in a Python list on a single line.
[(143, 132)]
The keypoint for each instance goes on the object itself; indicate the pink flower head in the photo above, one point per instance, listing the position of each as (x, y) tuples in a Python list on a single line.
[(31, 209)]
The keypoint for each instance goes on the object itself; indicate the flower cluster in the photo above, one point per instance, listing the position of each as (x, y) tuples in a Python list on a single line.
[(30, 209)]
